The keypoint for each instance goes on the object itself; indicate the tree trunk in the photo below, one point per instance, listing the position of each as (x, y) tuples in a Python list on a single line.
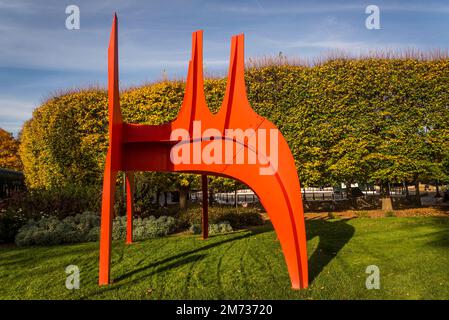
[(417, 193), (211, 196), (437, 186), (406, 189), (158, 195), (348, 190), (165, 199), (387, 203), (183, 195), (235, 198)]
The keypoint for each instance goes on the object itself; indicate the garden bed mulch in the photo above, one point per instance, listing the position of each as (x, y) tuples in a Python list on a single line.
[(436, 211)]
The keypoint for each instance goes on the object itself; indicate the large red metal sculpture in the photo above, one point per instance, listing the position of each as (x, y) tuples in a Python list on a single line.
[(136, 147)]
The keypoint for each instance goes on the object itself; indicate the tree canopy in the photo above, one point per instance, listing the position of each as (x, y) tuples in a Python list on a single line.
[(9, 147)]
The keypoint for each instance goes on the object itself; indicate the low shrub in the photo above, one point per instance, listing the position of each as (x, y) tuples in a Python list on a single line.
[(147, 228), (221, 227), (331, 215), (57, 228), (195, 228), (60, 202), (119, 228), (158, 211), (51, 231), (86, 227), (46, 231), (10, 223), (237, 217), (390, 214), (83, 227), (362, 214), (214, 228)]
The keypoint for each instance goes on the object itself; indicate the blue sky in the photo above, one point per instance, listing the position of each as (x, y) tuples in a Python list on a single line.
[(39, 56)]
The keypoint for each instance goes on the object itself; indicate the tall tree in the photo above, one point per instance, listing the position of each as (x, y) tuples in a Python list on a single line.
[(9, 146)]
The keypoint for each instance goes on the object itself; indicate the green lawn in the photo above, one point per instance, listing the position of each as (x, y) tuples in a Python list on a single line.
[(412, 254)]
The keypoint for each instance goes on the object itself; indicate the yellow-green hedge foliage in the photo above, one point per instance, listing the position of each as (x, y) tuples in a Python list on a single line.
[(345, 120)]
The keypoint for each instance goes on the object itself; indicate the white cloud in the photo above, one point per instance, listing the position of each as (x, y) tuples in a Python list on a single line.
[(13, 112), (12, 108), (428, 8), (84, 50), (256, 8)]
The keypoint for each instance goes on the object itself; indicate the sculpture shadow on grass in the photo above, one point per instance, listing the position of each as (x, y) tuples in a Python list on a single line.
[(333, 236), (439, 237), (189, 256)]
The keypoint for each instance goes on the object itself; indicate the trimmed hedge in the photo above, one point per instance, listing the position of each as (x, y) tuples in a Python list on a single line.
[(345, 120)]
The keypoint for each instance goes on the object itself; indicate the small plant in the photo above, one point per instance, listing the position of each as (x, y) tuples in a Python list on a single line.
[(147, 228), (362, 214), (195, 228), (390, 214), (119, 228), (220, 227), (83, 227), (157, 227), (214, 228), (331, 215)]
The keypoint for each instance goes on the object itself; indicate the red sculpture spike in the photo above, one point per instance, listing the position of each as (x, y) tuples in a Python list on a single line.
[(232, 143), (129, 177)]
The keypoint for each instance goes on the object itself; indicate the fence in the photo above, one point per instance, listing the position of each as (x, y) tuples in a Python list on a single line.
[(322, 194), (243, 197), (309, 194)]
